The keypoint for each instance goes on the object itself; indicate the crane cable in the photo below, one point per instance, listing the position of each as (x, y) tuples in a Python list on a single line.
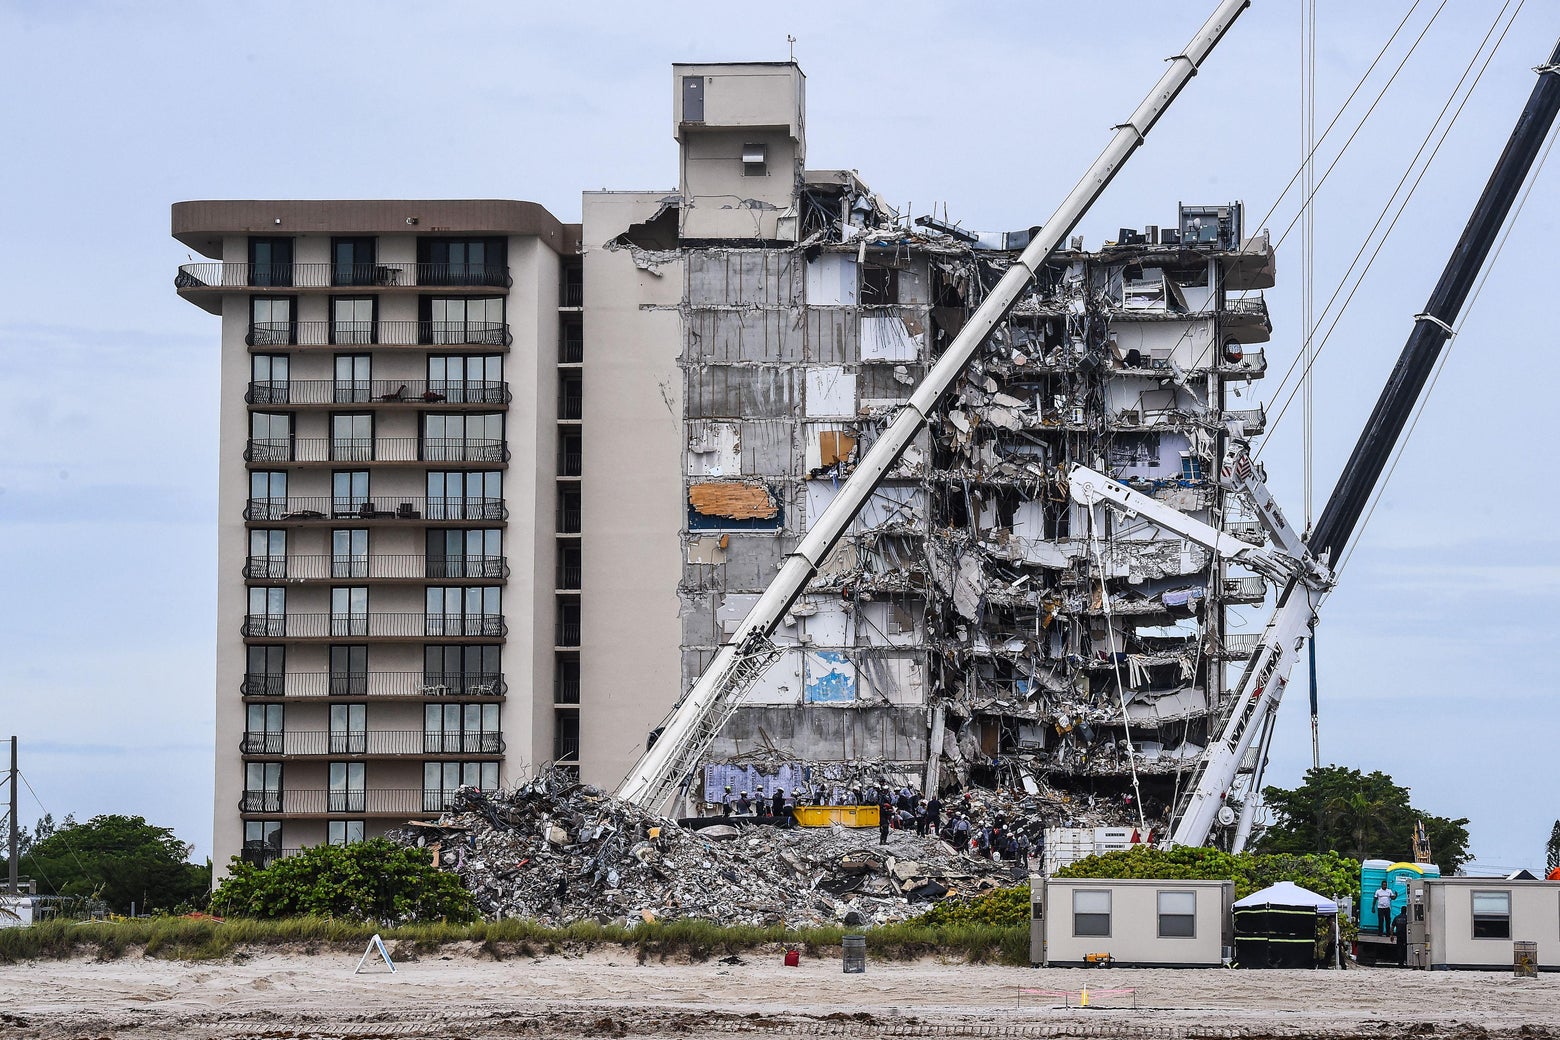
[(1554, 134), (1412, 188)]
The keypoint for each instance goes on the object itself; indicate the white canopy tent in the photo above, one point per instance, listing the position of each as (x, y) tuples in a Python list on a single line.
[(1287, 893)]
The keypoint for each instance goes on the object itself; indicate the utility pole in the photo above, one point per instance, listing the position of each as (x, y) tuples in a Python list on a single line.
[(14, 839)]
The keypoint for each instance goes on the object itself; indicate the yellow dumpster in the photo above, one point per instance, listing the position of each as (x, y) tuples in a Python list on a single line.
[(844, 815)]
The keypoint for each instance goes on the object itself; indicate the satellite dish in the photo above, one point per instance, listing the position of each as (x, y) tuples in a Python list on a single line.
[(1226, 815)]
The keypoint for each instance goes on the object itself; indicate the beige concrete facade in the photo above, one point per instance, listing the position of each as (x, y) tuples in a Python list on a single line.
[(316, 743)]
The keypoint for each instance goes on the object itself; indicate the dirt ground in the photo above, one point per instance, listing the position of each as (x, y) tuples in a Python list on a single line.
[(466, 993)]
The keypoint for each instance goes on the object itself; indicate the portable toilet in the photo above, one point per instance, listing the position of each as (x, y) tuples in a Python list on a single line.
[(1397, 876)]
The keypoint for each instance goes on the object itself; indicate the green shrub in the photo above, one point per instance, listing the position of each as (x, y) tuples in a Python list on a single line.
[(1329, 874), (374, 880)]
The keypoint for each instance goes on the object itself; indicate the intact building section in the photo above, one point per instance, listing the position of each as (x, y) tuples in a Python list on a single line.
[(386, 542)]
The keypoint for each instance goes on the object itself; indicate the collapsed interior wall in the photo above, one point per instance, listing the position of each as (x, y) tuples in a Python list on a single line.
[(1058, 648)]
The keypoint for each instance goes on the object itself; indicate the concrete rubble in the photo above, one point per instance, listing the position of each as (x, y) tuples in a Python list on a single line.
[(559, 851)]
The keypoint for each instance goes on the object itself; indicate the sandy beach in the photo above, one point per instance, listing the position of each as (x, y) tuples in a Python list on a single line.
[(465, 992)]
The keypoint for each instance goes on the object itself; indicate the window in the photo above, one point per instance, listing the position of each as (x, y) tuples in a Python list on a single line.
[(442, 779), (267, 495), (466, 379), (349, 611), (460, 729), (262, 787), (267, 555), (462, 261), (352, 319), (1492, 915), (1191, 466), (569, 557), (270, 437), (348, 729), (476, 553), (349, 494), (566, 679), (352, 437), (571, 453), (262, 842), (271, 321), (349, 553), (755, 160), (464, 611), (463, 437), (462, 319), (267, 613), (571, 395), (472, 671), (879, 285), (263, 729), (352, 261), (265, 671), (346, 787), (568, 625), (268, 379), (352, 384), (270, 261), (348, 671), (566, 735), (1091, 911), (343, 832), (461, 495), (1177, 915)]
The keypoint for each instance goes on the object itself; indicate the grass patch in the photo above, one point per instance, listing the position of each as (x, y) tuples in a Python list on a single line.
[(176, 938)]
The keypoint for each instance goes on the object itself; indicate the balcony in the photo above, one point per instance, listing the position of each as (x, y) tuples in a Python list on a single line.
[(1247, 531), (319, 802), (394, 625), (263, 856), (304, 508), (1237, 646), (377, 391), (1248, 589), (1254, 419), (375, 567), (374, 743), (414, 685), (568, 576), (270, 450), (393, 274), (326, 333)]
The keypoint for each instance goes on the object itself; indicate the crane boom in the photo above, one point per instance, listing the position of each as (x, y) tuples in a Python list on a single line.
[(697, 718), (1261, 687)]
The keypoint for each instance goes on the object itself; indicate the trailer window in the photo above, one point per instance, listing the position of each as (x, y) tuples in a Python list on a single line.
[(1492, 915), (1091, 912), (1177, 915)]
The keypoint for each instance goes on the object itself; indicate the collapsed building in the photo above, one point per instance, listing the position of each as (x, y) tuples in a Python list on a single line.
[(976, 625)]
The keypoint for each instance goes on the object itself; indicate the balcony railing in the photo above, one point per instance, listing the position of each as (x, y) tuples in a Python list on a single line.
[(378, 391), (568, 632), (566, 690), (571, 403), (263, 856), (321, 743), (569, 576), (381, 507), (396, 625), (1254, 418), (376, 449), (568, 519), (1250, 588), (327, 567), (570, 463), (317, 802), (328, 333), (390, 274), (566, 749), (373, 684)]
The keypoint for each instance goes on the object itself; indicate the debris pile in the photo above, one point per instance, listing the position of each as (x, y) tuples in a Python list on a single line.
[(559, 851)]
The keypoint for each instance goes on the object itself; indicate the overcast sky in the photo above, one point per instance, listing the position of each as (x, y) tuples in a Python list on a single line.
[(1432, 649)]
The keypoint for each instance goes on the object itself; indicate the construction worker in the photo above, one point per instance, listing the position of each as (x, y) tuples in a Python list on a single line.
[(744, 805), (725, 802), (777, 803), (885, 815)]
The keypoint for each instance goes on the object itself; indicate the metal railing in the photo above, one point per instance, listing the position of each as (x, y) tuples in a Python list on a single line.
[(568, 520), (1254, 418), (570, 463), (376, 449), (391, 625), (571, 402), (378, 507), (571, 294), (568, 632), (324, 332), (571, 345), (329, 567), (566, 749), (565, 690), (569, 576), (1250, 361), (322, 743), (1247, 531), (388, 274), (318, 802), (1246, 589), (264, 855), (374, 684), (378, 391)]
